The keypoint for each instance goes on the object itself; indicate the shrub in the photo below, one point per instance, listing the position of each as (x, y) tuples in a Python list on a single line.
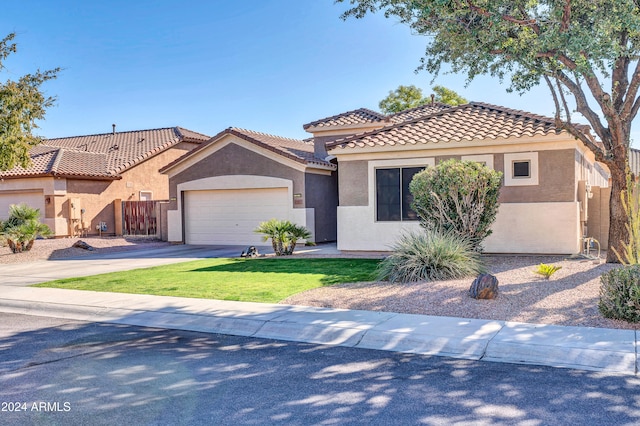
[(284, 235), (457, 196), (620, 293), (22, 227), (430, 255), (546, 270), (631, 248)]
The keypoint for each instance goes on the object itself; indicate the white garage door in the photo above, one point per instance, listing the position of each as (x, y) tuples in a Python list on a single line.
[(229, 216), (32, 199)]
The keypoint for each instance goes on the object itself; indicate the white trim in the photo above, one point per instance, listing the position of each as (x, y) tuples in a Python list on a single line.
[(509, 159), (380, 164), (487, 159)]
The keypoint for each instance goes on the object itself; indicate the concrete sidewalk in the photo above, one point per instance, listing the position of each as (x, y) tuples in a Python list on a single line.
[(595, 349)]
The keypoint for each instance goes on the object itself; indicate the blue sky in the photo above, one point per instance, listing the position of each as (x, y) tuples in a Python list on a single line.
[(264, 65)]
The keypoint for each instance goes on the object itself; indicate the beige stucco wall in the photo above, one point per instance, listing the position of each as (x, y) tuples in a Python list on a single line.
[(535, 217), (97, 196)]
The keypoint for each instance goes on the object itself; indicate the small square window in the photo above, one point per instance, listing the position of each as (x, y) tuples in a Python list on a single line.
[(522, 169)]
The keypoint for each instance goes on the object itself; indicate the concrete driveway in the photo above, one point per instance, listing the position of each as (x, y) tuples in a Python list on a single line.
[(23, 274)]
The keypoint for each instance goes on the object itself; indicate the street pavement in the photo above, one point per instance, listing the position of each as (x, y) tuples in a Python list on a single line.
[(595, 349)]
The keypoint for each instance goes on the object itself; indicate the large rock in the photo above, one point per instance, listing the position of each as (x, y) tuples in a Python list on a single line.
[(81, 244), (484, 287)]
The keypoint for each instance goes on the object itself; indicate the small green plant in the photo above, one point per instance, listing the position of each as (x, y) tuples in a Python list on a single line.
[(284, 235), (546, 270), (22, 227), (620, 294), (430, 255)]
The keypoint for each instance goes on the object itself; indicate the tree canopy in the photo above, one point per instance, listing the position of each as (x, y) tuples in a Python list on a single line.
[(405, 97), (22, 103), (448, 96), (588, 49)]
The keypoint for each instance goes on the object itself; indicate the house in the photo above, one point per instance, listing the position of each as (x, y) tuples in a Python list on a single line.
[(222, 190), (350, 181), (79, 183), (554, 192)]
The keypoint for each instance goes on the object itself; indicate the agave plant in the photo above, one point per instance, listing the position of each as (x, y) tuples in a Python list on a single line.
[(22, 227), (283, 234)]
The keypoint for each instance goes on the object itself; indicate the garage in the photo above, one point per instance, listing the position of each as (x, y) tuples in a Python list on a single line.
[(229, 216), (33, 199)]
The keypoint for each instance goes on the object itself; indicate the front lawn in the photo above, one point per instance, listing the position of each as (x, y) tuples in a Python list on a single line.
[(248, 280)]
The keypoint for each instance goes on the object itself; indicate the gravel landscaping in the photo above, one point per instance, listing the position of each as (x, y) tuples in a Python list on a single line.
[(570, 297)]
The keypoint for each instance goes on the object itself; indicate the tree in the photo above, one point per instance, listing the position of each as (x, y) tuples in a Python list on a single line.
[(21, 104), (459, 197), (448, 96), (404, 97), (586, 49)]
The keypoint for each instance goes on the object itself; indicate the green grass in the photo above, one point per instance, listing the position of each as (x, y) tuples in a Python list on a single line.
[(248, 280)]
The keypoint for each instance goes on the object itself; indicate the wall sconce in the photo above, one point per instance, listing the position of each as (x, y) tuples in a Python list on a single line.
[(47, 200)]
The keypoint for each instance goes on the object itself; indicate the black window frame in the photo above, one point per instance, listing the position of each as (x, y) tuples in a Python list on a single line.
[(394, 206), (513, 169)]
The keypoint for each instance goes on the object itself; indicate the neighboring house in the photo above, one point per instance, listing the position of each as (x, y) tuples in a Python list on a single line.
[(222, 190), (80, 182), (553, 192)]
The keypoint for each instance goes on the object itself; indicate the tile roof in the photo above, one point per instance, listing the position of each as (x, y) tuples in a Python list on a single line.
[(417, 112), (103, 155), (469, 122), (358, 116), (294, 149)]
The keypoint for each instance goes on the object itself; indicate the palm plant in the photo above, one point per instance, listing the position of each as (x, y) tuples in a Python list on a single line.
[(283, 234), (22, 227)]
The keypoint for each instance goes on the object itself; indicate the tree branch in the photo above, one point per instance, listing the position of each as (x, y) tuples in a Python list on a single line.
[(566, 17), (584, 108)]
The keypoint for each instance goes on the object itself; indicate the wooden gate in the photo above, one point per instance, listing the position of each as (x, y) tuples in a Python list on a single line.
[(140, 218)]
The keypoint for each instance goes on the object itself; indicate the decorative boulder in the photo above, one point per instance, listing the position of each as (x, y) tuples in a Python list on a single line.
[(484, 287), (81, 244)]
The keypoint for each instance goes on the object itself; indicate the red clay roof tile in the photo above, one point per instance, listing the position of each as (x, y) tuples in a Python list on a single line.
[(473, 121), (103, 155)]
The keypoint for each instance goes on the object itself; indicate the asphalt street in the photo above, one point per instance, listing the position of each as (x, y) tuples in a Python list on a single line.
[(57, 371)]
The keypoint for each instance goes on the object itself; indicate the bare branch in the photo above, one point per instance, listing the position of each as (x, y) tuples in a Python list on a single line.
[(558, 119)]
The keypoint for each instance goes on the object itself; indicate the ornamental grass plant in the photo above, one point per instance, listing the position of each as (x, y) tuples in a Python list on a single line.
[(430, 255)]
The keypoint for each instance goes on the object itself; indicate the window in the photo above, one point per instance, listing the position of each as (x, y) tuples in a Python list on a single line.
[(521, 169), (393, 198)]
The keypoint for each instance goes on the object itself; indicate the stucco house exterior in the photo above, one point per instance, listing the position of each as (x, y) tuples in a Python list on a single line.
[(222, 190), (554, 192), (78, 182)]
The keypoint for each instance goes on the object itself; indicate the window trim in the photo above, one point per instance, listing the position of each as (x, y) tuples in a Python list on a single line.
[(510, 179), (388, 164)]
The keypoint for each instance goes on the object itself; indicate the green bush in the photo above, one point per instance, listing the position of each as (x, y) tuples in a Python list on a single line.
[(620, 293), (430, 255), (284, 235), (457, 196), (22, 227)]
